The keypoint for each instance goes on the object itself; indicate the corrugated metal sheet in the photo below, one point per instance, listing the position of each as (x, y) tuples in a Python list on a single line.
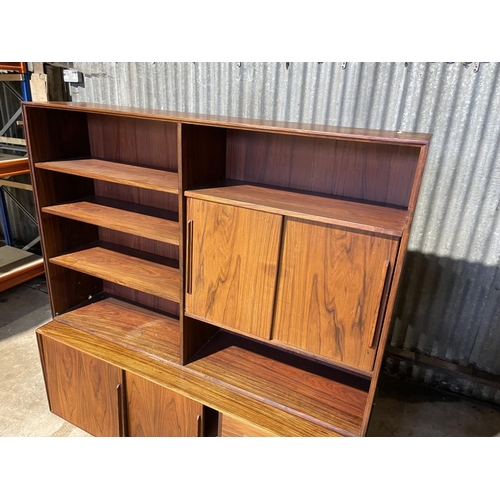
[(449, 304)]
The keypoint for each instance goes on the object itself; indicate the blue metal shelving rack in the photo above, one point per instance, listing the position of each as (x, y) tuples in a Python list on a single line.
[(29, 265)]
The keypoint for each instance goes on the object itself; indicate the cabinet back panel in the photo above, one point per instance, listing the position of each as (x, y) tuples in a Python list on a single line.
[(203, 155), (70, 288), (142, 298), (57, 135), (130, 140), (67, 288), (136, 195), (373, 172), (139, 243), (54, 188)]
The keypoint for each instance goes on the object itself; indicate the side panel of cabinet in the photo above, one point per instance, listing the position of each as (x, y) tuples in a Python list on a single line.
[(154, 411), (83, 390), (233, 266), (333, 284)]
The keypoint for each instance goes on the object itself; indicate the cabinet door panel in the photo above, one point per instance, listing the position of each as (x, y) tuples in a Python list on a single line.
[(154, 411), (234, 260), (82, 389), (331, 290)]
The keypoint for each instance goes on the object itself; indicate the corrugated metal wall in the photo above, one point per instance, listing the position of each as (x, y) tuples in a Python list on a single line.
[(449, 306)]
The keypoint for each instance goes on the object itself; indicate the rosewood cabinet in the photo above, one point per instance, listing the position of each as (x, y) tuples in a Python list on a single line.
[(214, 275)]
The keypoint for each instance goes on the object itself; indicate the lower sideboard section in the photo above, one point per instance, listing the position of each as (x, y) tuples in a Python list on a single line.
[(113, 381)]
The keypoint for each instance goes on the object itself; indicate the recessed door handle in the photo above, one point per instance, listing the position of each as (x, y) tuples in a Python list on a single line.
[(376, 323)]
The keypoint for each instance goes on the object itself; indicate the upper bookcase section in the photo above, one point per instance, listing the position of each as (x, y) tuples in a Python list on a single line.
[(375, 167)]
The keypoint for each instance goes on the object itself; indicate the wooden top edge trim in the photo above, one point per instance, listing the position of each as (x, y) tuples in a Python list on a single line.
[(327, 131)]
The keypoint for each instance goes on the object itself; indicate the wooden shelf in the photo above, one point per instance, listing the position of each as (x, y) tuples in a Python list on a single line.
[(128, 219), (119, 173), (138, 329), (352, 214), (305, 388), (132, 272)]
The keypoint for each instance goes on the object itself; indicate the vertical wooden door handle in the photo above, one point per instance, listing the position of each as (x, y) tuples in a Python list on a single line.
[(121, 413), (189, 256), (376, 322)]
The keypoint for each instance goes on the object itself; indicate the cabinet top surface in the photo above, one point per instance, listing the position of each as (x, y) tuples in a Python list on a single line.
[(357, 134)]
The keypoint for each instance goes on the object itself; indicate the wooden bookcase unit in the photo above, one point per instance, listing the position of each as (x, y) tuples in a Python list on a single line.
[(213, 275)]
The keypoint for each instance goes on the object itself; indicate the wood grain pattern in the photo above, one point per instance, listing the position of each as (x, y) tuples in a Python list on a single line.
[(363, 216), (373, 172), (158, 249), (306, 129), (120, 173), (133, 327), (127, 221), (234, 427), (234, 266), (194, 383), (203, 155), (154, 411), (330, 290), (309, 390), (124, 139), (55, 134), (138, 196), (125, 270), (82, 389), (141, 298)]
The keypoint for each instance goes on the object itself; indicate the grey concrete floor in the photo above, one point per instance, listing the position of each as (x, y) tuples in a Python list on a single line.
[(402, 408), (23, 403)]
